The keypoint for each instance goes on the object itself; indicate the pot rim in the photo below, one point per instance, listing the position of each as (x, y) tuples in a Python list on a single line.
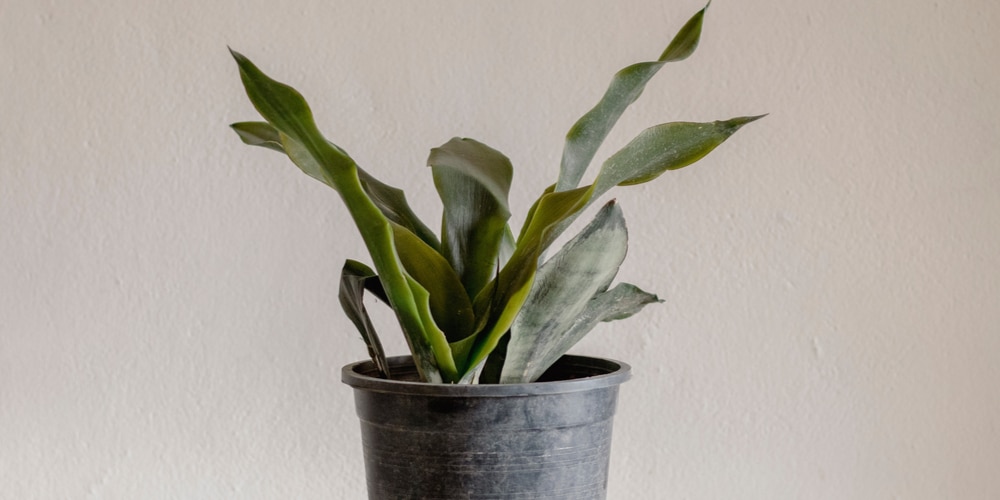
[(584, 373)]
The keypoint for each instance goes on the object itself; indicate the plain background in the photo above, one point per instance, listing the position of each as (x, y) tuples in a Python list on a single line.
[(831, 326)]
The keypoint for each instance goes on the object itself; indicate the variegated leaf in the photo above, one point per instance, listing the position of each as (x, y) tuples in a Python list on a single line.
[(563, 287)]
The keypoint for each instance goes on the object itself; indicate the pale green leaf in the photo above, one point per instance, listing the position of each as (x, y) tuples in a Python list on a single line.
[(563, 286), (669, 146), (588, 133), (620, 302)]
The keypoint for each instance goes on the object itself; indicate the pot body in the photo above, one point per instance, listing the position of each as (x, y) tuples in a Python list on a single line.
[(545, 440)]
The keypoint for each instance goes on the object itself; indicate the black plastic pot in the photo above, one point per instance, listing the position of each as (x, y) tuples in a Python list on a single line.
[(546, 440)]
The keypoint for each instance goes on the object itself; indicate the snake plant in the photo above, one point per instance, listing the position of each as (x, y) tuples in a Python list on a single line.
[(477, 303)]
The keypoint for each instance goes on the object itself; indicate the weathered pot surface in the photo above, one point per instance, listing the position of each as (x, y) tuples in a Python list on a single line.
[(549, 439)]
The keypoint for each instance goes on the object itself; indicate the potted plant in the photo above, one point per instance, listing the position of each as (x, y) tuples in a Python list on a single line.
[(488, 404)]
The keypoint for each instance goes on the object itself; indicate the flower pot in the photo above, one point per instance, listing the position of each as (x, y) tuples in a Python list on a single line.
[(545, 440)]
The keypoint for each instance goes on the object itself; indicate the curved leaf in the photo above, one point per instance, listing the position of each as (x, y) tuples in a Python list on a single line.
[(589, 132), (449, 305), (501, 300), (563, 286), (686, 39), (391, 201), (473, 181), (285, 109), (259, 134), (669, 146), (436, 337), (353, 280)]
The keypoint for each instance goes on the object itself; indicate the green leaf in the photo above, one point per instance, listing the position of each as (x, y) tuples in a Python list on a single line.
[(686, 40), (499, 303), (449, 304), (259, 134), (353, 280), (436, 337), (589, 132), (473, 181), (562, 289), (287, 111), (391, 201), (669, 146)]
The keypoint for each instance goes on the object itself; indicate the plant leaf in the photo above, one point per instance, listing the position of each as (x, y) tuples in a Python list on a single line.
[(586, 136), (449, 304), (668, 146), (473, 181), (436, 337), (353, 279), (620, 302), (499, 302), (686, 39), (259, 134), (562, 289), (285, 109), (391, 201)]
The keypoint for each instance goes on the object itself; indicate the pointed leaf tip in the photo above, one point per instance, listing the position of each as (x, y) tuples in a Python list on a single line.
[(686, 40), (587, 134), (668, 146), (733, 124), (236, 55)]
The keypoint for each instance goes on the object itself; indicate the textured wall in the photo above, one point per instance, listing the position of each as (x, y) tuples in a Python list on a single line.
[(168, 320)]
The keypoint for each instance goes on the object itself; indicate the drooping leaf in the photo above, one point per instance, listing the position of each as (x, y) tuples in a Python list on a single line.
[(391, 201), (563, 286), (473, 181), (285, 109), (620, 302), (668, 146), (589, 132), (353, 279)]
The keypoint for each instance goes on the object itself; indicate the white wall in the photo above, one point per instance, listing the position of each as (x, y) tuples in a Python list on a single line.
[(168, 319)]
